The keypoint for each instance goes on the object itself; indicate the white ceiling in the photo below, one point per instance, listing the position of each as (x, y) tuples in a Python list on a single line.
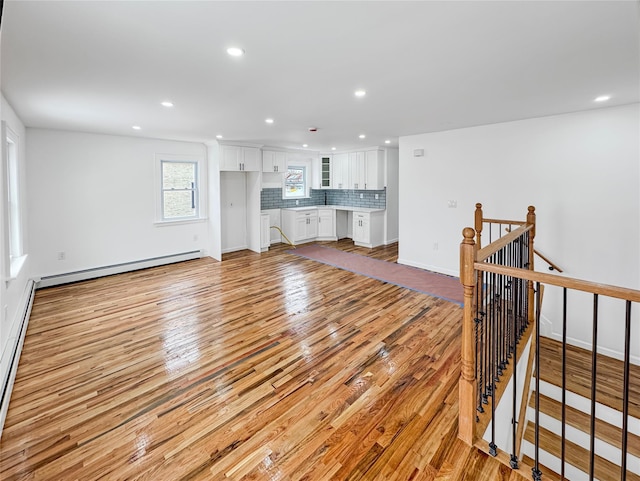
[(426, 66)]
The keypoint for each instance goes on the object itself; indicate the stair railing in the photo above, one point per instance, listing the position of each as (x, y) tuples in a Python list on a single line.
[(501, 322)]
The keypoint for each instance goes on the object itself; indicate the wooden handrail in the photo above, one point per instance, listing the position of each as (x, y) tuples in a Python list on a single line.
[(505, 240), (552, 266), (502, 221), (561, 281)]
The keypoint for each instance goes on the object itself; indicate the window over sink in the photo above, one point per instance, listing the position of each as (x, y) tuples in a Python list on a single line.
[(295, 182)]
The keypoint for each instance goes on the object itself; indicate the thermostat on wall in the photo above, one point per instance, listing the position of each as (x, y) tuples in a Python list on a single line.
[(418, 153)]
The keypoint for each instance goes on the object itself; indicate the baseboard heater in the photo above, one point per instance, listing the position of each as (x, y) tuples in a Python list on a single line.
[(95, 272), (14, 356)]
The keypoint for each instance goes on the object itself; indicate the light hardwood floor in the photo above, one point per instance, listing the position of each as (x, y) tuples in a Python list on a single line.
[(263, 366)]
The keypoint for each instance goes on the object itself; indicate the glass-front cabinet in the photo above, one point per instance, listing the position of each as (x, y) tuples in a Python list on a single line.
[(325, 173)]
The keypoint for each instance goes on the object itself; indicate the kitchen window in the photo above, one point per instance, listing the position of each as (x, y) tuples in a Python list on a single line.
[(179, 195), (295, 182)]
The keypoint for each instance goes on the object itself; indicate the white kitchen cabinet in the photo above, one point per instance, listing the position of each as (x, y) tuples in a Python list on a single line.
[(357, 170), (325, 171), (340, 171), (368, 229), (357, 175), (300, 225), (237, 158), (274, 161), (327, 224), (265, 234), (374, 170)]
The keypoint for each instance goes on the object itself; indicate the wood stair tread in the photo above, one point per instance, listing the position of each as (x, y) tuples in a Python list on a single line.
[(609, 375), (575, 455), (606, 432)]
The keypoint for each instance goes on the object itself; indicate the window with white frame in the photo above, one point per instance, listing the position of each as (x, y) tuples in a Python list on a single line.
[(180, 199), (13, 217), (295, 182)]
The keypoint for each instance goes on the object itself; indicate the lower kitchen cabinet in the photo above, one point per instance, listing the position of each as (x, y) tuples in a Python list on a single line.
[(368, 229), (265, 234), (327, 224), (300, 225)]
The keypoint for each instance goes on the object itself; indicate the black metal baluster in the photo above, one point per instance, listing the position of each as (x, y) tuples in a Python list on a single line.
[(485, 359), (535, 471), (564, 378), (478, 363), (494, 359), (625, 392), (499, 364), (514, 424), (594, 365)]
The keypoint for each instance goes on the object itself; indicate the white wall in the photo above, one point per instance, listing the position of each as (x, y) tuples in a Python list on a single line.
[(12, 293), (391, 183), (94, 198), (580, 170)]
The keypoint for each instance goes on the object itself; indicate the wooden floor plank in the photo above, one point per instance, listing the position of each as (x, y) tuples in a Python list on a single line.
[(263, 366)]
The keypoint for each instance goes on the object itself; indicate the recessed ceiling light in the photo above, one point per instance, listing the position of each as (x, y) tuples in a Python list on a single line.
[(136, 127), (218, 136), (333, 148), (360, 93), (387, 141), (305, 145), (166, 103), (602, 98), (269, 121), (235, 51), (362, 136)]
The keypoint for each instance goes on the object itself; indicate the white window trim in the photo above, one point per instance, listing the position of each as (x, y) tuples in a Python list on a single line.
[(201, 187), (13, 263), (307, 179)]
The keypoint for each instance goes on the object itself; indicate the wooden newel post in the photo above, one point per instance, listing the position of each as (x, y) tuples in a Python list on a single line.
[(478, 225), (467, 384), (531, 220)]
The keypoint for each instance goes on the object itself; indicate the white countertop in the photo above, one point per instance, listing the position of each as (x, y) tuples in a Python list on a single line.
[(335, 207)]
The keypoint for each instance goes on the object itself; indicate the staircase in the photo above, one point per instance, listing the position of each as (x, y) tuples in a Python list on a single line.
[(608, 433), (587, 406)]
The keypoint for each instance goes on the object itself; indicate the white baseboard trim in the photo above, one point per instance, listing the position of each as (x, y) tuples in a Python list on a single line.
[(427, 267), (13, 351), (234, 249), (86, 274)]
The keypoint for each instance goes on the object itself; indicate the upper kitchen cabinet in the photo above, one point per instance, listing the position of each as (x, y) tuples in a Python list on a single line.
[(274, 161), (374, 170), (340, 171), (325, 171), (362, 170), (237, 158), (357, 174)]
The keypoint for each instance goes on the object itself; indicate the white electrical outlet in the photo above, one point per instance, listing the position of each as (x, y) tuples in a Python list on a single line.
[(62, 256), (362, 196), (435, 246), (195, 237), (453, 204), (377, 196), (297, 202)]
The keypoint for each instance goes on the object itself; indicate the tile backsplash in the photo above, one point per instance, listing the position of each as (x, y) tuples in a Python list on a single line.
[(271, 198)]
